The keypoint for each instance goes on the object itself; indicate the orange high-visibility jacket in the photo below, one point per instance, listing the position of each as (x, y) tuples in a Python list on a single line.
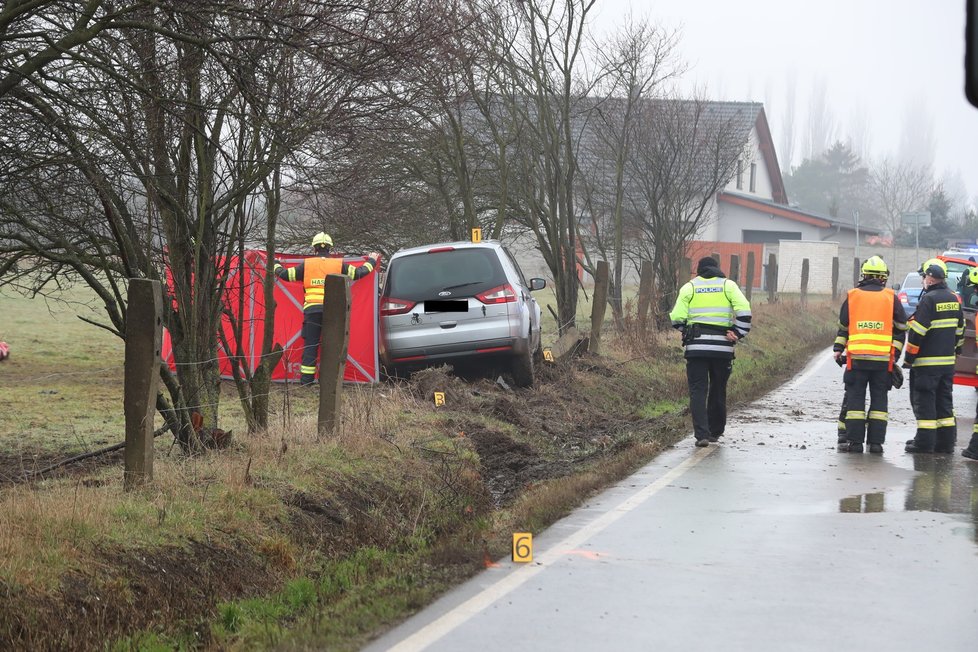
[(314, 278), (870, 326)]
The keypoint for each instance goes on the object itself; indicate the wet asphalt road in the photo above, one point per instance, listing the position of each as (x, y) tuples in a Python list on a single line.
[(771, 540)]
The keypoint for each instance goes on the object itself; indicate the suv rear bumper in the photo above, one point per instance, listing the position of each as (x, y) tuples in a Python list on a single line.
[(499, 346)]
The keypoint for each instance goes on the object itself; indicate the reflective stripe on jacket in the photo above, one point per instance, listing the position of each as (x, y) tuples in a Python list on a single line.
[(936, 331), (313, 271), (314, 278), (870, 326), (711, 307)]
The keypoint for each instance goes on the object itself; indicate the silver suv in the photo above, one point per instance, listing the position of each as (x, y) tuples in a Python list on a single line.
[(459, 301)]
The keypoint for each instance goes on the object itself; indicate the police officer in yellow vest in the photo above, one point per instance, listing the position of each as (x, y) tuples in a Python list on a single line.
[(313, 272), (936, 335), (713, 315), (872, 328)]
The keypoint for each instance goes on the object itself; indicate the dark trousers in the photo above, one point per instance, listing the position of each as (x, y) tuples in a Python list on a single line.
[(842, 416), (312, 329), (707, 378), (878, 382), (973, 444), (932, 397)]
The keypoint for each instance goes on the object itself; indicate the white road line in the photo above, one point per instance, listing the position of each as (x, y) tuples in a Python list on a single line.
[(435, 630)]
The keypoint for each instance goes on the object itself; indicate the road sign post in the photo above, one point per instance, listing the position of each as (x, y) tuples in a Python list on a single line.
[(916, 220)]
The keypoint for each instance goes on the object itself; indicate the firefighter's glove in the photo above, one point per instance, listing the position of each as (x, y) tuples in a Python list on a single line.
[(896, 378), (907, 363)]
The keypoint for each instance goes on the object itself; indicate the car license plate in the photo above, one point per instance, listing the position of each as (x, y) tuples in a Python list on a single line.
[(446, 306)]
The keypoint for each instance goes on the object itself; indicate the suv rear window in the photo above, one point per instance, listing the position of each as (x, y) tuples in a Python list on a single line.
[(463, 272)]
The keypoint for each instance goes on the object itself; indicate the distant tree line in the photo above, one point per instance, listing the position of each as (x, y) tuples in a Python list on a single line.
[(838, 183)]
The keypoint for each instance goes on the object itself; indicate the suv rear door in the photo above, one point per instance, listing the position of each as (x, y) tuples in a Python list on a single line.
[(440, 286)]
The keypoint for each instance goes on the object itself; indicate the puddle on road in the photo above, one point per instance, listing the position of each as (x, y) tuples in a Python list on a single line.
[(942, 484)]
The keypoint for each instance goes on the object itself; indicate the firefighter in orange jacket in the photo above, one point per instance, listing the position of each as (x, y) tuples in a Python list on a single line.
[(872, 329), (936, 336), (313, 272)]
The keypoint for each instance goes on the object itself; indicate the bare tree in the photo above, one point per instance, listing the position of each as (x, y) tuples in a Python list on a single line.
[(859, 139), (685, 152), (899, 187), (820, 130), (36, 34), (152, 148), (917, 141), (542, 95), (635, 62), (788, 125)]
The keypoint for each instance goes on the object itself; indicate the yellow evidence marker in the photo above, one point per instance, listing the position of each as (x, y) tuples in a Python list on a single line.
[(439, 399), (548, 355), (477, 234), (522, 547)]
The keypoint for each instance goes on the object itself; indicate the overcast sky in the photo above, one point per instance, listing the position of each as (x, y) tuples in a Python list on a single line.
[(880, 61)]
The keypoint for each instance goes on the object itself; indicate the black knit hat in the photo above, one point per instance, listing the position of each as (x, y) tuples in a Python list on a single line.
[(706, 263)]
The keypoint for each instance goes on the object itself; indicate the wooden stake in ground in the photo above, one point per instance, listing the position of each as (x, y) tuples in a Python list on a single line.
[(644, 296), (835, 279), (772, 278), (750, 275), (804, 282), (144, 339), (332, 352), (599, 305)]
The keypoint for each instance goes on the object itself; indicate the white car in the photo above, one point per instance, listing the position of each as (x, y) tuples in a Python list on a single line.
[(459, 301)]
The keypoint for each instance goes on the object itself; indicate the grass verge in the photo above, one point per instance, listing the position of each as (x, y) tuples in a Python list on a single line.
[(287, 540)]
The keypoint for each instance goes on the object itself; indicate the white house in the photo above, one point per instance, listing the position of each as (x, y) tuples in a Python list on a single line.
[(754, 207)]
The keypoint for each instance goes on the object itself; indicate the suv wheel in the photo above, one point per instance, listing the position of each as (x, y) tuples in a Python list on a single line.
[(521, 369)]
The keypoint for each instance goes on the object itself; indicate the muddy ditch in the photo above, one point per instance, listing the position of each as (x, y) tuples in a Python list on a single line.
[(521, 437)]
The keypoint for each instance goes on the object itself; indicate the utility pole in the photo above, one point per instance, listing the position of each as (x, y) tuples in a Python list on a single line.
[(855, 218)]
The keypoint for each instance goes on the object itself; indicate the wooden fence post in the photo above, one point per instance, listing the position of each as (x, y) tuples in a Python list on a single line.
[(772, 278), (804, 282), (735, 268), (144, 338), (750, 274), (644, 296), (835, 278), (599, 303), (332, 352)]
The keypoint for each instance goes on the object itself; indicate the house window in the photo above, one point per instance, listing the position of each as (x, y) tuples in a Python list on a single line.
[(753, 177), (740, 174)]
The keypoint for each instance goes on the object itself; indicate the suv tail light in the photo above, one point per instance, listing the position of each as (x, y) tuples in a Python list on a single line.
[(903, 297), (500, 294), (391, 306)]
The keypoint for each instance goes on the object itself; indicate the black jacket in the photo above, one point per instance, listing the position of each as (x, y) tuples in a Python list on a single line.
[(936, 331)]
